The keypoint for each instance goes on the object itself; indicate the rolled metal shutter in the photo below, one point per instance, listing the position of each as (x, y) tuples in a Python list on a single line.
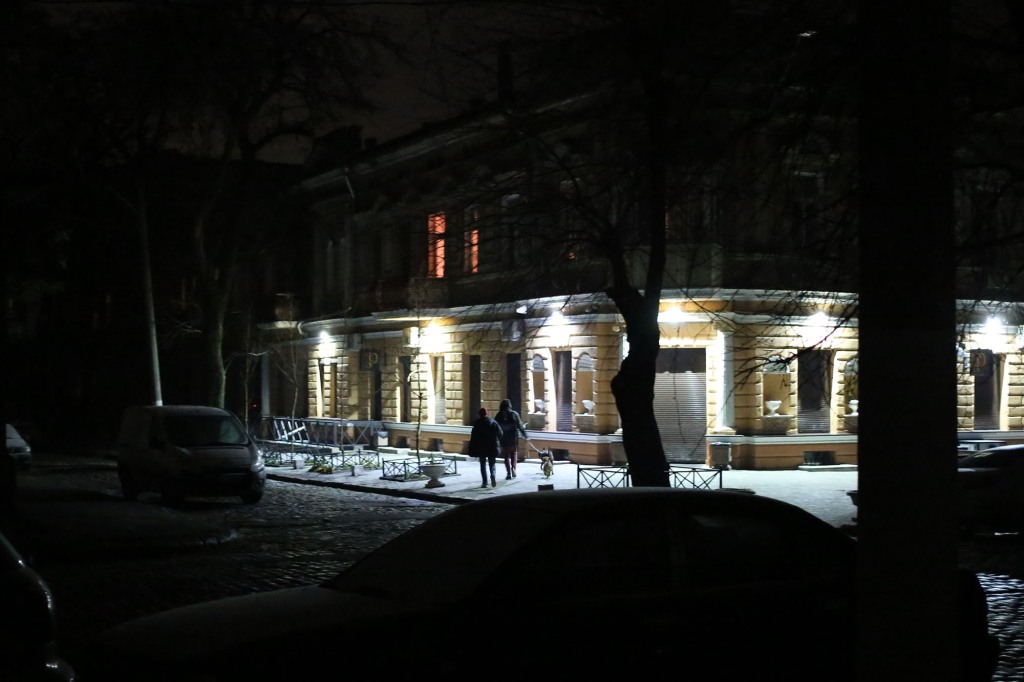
[(680, 403), (814, 388), (563, 390)]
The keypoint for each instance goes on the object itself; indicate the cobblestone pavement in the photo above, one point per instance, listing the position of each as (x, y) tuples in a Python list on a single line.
[(296, 535), (301, 534)]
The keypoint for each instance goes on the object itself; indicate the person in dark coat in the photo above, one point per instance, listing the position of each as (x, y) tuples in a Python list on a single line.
[(511, 428), (485, 443)]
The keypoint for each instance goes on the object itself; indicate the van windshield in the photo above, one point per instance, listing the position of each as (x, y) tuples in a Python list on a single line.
[(189, 431)]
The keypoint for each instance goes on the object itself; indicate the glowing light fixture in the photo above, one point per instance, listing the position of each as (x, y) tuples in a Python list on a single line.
[(992, 334), (818, 319), (993, 325), (671, 315), (326, 347), (816, 329)]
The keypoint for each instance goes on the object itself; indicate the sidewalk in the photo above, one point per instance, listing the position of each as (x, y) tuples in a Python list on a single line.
[(820, 490)]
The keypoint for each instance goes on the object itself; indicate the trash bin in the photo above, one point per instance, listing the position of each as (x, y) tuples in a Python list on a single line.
[(382, 439), (719, 455)]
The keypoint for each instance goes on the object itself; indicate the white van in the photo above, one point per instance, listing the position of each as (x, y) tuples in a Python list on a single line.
[(181, 450)]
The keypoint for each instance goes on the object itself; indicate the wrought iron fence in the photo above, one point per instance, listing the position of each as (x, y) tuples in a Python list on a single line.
[(319, 431), (590, 476)]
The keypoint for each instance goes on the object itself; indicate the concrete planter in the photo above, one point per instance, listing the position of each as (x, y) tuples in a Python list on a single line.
[(433, 472), (776, 423)]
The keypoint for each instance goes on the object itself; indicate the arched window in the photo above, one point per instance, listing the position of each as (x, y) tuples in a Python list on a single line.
[(585, 377), (537, 374), (851, 374)]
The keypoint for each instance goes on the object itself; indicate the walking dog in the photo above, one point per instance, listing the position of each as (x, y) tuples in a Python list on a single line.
[(546, 465)]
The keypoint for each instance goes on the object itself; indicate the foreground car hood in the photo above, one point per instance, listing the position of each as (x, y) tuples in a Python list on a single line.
[(210, 629)]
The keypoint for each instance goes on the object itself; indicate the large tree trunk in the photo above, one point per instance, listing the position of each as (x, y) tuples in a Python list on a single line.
[(213, 346), (907, 549), (633, 388)]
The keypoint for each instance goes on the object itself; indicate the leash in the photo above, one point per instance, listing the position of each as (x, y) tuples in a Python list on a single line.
[(532, 446)]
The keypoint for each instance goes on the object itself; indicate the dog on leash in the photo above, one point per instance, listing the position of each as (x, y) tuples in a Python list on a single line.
[(546, 464)]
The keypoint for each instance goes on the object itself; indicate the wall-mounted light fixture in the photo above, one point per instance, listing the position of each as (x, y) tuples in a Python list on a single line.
[(816, 330), (672, 315), (326, 348), (992, 334)]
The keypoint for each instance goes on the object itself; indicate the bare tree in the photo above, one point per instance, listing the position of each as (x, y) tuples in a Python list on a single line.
[(229, 89), (604, 96)]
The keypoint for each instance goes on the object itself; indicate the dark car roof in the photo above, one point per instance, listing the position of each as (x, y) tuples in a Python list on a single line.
[(514, 521), (989, 457), (180, 409), (576, 498)]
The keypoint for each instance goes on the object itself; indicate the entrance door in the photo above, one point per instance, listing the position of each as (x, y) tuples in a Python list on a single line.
[(437, 372), (405, 383), (986, 367), (377, 410), (814, 388), (563, 390), (514, 381), (680, 403), (472, 404)]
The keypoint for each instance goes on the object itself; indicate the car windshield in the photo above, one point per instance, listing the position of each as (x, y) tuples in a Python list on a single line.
[(195, 430)]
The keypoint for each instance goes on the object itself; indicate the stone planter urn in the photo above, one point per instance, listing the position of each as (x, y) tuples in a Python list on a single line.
[(773, 422), (434, 471), (776, 423), (585, 423), (851, 419)]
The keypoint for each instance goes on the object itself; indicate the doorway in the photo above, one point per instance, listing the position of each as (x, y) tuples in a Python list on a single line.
[(680, 403)]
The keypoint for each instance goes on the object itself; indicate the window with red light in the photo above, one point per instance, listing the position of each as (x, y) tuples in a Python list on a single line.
[(472, 244), (435, 245)]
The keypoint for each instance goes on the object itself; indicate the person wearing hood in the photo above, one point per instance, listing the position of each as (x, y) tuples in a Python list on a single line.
[(511, 428), (485, 443)]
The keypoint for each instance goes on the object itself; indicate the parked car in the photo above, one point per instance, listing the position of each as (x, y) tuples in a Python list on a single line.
[(182, 450), (991, 489), (17, 447), (28, 623), (616, 581)]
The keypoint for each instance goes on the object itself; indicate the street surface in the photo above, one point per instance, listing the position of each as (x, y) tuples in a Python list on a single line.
[(296, 535), (300, 534)]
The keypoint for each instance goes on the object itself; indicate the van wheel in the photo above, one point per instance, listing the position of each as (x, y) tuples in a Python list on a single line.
[(129, 488), (252, 497)]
